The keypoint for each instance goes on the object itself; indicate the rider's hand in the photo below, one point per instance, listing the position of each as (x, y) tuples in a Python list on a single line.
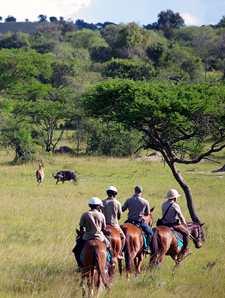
[(106, 231)]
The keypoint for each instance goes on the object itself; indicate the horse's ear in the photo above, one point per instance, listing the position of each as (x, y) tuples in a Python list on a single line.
[(152, 209), (202, 224), (78, 232)]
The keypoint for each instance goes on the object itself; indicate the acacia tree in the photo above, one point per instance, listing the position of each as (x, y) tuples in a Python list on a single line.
[(174, 119), (36, 85), (46, 115)]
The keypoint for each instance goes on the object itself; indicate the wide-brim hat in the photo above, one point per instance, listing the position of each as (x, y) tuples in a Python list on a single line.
[(171, 194)]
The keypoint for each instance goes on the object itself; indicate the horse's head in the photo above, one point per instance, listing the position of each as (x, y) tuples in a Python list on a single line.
[(149, 217), (196, 231)]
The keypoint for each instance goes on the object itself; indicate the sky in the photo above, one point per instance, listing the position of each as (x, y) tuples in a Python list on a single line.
[(142, 12)]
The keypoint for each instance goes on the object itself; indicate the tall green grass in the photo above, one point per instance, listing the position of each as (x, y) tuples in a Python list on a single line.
[(37, 226)]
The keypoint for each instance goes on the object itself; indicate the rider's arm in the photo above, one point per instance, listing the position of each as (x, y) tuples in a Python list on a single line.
[(124, 207), (179, 214), (119, 213), (147, 209), (106, 231)]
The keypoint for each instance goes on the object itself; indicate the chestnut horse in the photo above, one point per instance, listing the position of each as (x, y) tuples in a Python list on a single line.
[(134, 245), (116, 245), (94, 256), (164, 242)]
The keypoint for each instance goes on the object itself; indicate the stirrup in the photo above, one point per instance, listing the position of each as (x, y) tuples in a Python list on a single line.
[(147, 250), (120, 257), (187, 252), (113, 262), (79, 269)]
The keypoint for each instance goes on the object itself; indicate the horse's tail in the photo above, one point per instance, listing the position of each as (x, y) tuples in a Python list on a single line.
[(128, 258), (101, 267), (154, 247), (154, 244)]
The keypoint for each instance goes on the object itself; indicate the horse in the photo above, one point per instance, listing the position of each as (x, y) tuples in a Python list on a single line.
[(134, 245), (94, 256), (116, 245), (164, 242)]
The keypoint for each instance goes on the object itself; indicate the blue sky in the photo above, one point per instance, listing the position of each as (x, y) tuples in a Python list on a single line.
[(143, 12)]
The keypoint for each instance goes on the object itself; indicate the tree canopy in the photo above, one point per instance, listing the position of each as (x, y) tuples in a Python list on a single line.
[(175, 119), (55, 62)]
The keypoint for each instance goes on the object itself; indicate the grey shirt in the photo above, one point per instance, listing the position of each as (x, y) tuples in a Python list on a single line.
[(138, 207), (172, 212)]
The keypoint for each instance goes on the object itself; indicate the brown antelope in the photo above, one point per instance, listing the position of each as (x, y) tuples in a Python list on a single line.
[(40, 175)]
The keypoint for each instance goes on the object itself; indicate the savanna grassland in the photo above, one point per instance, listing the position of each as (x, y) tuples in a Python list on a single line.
[(37, 226)]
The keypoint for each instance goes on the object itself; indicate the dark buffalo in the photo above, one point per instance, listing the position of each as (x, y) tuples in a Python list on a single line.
[(65, 176), (63, 149)]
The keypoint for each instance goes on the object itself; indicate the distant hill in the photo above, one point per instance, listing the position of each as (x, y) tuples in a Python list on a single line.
[(25, 27)]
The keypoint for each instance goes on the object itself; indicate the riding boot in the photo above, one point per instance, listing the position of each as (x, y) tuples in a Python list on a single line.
[(147, 249), (120, 255), (77, 251), (186, 241), (185, 251)]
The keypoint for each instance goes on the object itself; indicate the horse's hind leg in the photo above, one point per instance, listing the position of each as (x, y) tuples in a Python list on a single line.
[(99, 284), (83, 284), (138, 264), (161, 257), (153, 260), (120, 266), (90, 281)]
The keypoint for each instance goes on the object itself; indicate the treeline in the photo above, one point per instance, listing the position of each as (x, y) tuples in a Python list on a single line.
[(43, 76)]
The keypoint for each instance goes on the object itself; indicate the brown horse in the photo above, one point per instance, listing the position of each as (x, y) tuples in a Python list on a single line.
[(116, 247), (134, 245), (94, 257), (164, 242)]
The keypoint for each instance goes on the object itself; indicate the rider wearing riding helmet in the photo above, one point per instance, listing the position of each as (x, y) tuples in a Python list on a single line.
[(139, 207), (170, 219), (93, 226), (112, 211)]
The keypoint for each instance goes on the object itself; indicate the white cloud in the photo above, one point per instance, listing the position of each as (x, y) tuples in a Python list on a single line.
[(31, 9), (190, 19)]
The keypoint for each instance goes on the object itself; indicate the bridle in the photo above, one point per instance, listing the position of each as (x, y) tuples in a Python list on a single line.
[(198, 239)]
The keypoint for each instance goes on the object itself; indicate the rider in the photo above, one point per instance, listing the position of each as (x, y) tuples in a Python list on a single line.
[(139, 207), (170, 219), (112, 211), (92, 225)]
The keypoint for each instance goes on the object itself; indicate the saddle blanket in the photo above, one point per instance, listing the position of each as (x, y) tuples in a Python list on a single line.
[(179, 242)]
